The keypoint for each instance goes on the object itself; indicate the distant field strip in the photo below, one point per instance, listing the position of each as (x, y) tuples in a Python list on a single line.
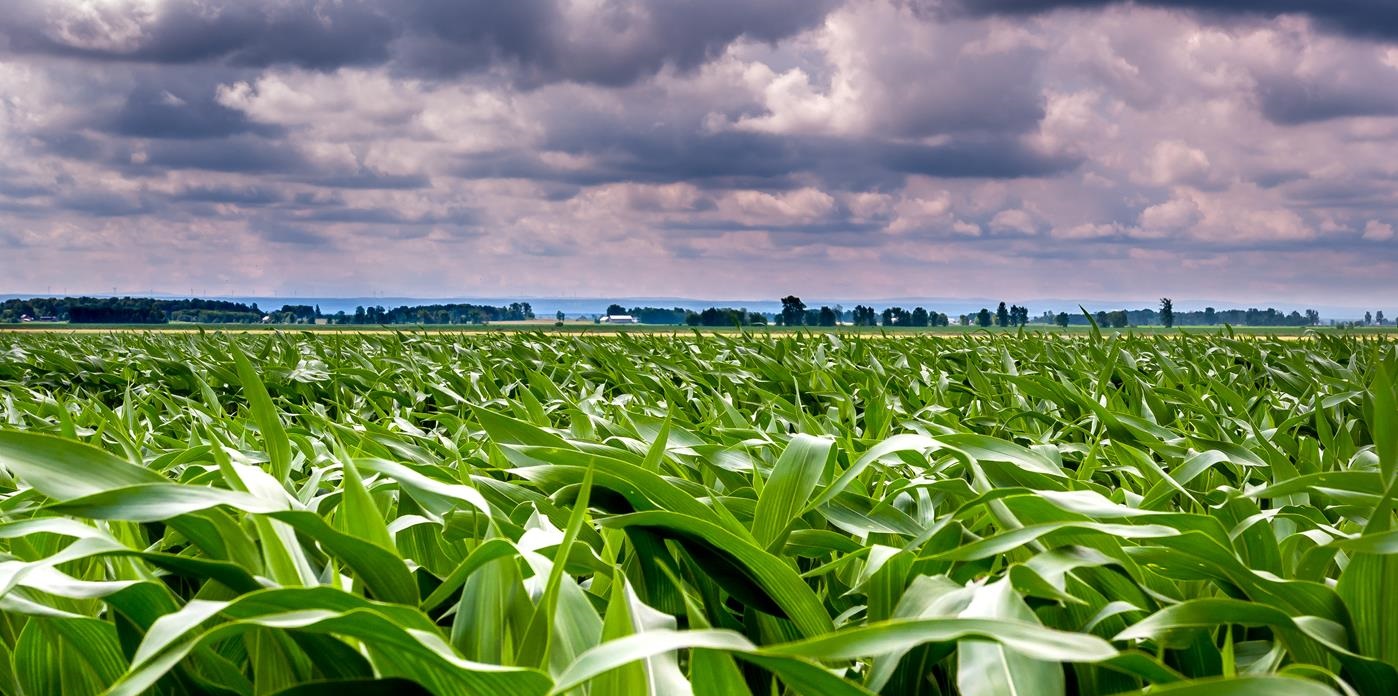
[(535, 513)]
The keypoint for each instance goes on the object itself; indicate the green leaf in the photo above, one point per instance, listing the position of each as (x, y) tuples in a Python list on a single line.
[(67, 657), (62, 469), (773, 579), (357, 515), (1032, 640), (1251, 685), (786, 492), (265, 414), (1366, 586)]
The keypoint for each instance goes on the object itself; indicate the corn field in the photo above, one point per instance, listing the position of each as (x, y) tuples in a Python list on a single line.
[(541, 514)]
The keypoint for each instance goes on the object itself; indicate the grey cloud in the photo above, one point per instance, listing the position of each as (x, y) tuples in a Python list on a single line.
[(235, 154), (1349, 192), (720, 160), (976, 158), (104, 204), (289, 233), (70, 145), (366, 179), (389, 216), (252, 33), (1365, 18), (15, 185), (1273, 178), (239, 195), (1291, 101), (239, 154), (623, 42), (836, 226), (153, 112), (739, 159), (539, 40)]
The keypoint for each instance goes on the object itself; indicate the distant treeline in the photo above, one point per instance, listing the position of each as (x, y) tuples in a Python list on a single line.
[(794, 312), (435, 314), (144, 310), (1209, 316), (713, 316), (127, 310)]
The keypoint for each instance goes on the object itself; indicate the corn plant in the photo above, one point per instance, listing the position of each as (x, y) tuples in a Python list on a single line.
[(799, 514)]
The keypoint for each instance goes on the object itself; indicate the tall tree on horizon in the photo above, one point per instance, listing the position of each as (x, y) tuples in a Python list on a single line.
[(1167, 312), (1002, 316), (793, 311)]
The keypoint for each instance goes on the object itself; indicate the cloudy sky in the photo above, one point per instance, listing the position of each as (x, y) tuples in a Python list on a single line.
[(1230, 149)]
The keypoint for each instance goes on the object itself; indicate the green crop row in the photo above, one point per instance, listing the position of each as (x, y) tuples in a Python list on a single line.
[(798, 514)]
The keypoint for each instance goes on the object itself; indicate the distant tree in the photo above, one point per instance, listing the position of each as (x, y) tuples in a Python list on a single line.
[(359, 315), (1378, 317), (828, 317), (1102, 319), (1002, 316), (558, 315), (1210, 316), (1167, 312), (1312, 317), (793, 310), (864, 316), (919, 317), (983, 317), (895, 316), (1368, 318), (1118, 319), (614, 308), (1061, 319)]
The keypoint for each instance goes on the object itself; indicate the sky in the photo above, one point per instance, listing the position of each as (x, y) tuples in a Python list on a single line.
[(1243, 150)]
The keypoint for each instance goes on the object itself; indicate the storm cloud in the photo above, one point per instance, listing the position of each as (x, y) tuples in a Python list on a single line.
[(1362, 18), (538, 40), (719, 148)]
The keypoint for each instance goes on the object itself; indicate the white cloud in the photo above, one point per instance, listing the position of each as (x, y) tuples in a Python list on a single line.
[(1087, 230), (1014, 220), (1174, 214), (1173, 163), (1378, 231)]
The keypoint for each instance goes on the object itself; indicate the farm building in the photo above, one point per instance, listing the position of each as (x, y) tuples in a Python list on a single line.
[(619, 319)]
